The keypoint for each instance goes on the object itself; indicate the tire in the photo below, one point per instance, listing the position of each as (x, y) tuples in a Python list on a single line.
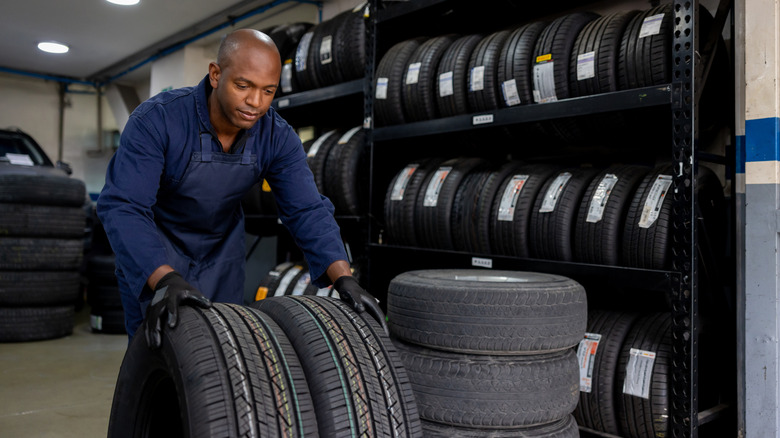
[(466, 211), (485, 95), (271, 281), (512, 209), (303, 70), (646, 61), (101, 270), (435, 202), (647, 417), (566, 428), (107, 321), (487, 312), (23, 324), (454, 66), (389, 83), (602, 214), (41, 221), (483, 207), (555, 212), (358, 384), (597, 407), (39, 288), (33, 254), (494, 392), (227, 370), (515, 64), (40, 186), (350, 46), (419, 90), (288, 36), (324, 61), (346, 173), (317, 157)]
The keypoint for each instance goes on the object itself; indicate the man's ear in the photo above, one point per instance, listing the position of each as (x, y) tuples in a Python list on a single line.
[(214, 73)]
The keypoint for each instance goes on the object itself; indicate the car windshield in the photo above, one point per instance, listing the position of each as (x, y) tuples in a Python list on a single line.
[(20, 145)]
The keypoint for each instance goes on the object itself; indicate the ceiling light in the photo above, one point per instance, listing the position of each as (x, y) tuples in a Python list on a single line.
[(124, 2), (52, 47)]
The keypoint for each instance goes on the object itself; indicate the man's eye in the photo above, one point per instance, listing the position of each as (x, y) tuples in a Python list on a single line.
[(242, 87)]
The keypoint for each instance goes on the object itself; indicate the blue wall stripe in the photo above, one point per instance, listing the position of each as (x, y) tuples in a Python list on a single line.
[(740, 164), (762, 139)]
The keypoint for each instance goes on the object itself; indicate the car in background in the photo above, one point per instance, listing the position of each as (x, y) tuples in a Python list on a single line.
[(19, 148)]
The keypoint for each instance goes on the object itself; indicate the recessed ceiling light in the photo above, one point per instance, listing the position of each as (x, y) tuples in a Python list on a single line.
[(124, 2), (52, 47)]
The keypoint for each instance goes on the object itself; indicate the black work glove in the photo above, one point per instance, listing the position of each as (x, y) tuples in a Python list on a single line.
[(359, 299), (171, 291)]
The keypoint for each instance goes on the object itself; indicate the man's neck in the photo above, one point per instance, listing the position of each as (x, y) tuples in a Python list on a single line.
[(226, 132)]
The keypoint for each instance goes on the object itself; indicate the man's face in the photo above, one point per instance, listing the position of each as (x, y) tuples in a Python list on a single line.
[(245, 87)]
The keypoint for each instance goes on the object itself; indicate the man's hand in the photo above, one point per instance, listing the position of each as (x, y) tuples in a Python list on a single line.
[(359, 299), (171, 291)]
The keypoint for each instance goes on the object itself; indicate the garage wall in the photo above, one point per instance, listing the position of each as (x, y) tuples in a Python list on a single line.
[(32, 105)]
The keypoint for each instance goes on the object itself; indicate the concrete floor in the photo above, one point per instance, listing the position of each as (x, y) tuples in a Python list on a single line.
[(61, 387)]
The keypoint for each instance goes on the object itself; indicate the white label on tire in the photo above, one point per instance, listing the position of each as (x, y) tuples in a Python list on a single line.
[(434, 186), (301, 284), (600, 198), (413, 73), (318, 142), (655, 200), (403, 180), (586, 355), (509, 90), (345, 138), (445, 84), (477, 78), (324, 292), (285, 281), (96, 322), (544, 79), (639, 373), (302, 51), (286, 79), (381, 88), (651, 25), (585, 66), (506, 208), (326, 55), (554, 192)]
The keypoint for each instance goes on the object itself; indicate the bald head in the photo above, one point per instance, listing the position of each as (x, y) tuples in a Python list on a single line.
[(237, 43)]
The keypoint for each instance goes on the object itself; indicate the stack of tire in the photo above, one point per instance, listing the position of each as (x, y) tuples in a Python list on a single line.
[(340, 164), (490, 353), (106, 313), (331, 52), (287, 366), (619, 215), (290, 278), (42, 224), (625, 374)]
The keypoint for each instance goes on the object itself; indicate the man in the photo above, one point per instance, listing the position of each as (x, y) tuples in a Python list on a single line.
[(171, 202)]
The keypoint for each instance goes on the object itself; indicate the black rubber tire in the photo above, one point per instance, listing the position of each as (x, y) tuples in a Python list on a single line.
[(646, 61), (599, 241), (41, 221), (565, 428), (40, 186), (400, 213), (23, 324), (357, 381), (640, 417), (287, 36), (597, 409), (601, 36), (466, 211), (109, 321), (101, 269), (302, 69), (350, 46), (455, 61), (34, 254), (317, 157), (551, 232), (390, 110), (481, 239), (495, 392), (271, 281), (419, 98), (39, 288), (510, 237), (288, 278), (486, 54), (434, 222), (347, 173), (516, 62), (328, 73), (227, 370), (487, 312)]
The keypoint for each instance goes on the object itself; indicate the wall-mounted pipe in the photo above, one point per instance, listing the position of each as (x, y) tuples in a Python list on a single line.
[(60, 79)]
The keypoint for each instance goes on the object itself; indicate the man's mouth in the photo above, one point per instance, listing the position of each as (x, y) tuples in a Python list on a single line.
[(250, 116)]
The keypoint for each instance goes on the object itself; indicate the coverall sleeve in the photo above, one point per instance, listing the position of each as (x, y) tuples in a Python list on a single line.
[(306, 213), (125, 203)]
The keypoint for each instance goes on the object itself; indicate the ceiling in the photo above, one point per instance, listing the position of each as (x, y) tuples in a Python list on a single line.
[(106, 39)]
